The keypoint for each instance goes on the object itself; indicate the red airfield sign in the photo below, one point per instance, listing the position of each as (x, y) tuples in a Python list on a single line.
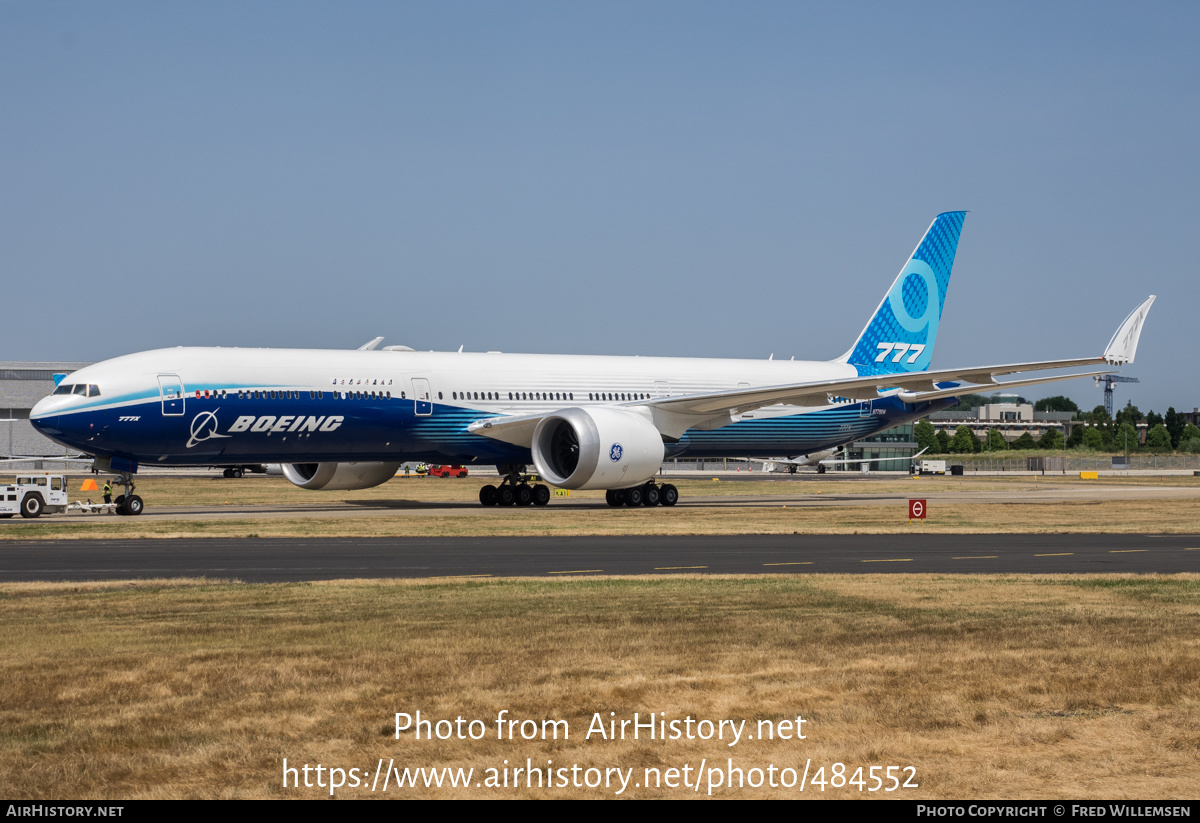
[(916, 509)]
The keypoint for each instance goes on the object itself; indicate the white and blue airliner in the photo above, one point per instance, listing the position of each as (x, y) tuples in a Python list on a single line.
[(341, 420)]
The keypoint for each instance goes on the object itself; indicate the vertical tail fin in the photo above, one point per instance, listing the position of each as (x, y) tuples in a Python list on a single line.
[(900, 335)]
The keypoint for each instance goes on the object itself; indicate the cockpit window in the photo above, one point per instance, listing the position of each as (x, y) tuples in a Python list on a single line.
[(82, 389)]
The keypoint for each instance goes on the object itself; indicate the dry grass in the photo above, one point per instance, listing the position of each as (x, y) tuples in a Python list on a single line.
[(998, 687), (420, 507), (1165, 516)]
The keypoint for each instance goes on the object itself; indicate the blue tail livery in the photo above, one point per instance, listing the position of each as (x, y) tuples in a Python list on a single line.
[(900, 336)]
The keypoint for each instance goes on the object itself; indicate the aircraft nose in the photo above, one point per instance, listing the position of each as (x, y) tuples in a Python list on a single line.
[(50, 406), (45, 414), (41, 408)]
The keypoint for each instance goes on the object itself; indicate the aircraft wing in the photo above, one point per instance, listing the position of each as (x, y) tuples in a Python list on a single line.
[(675, 415), (516, 429), (59, 459)]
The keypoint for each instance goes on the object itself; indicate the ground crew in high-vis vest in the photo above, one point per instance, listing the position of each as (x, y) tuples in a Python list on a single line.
[(107, 491)]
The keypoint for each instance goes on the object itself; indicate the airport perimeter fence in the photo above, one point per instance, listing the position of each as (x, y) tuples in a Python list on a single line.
[(1078, 463), (981, 463), (725, 464)]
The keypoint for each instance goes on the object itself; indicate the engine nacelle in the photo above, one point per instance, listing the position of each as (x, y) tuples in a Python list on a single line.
[(339, 476), (600, 448)]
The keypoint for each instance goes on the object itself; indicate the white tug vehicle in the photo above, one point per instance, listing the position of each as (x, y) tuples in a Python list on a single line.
[(34, 494)]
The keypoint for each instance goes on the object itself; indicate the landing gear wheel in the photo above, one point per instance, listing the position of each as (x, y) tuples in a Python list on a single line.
[(228, 473), (237, 473), (615, 497), (133, 505), (488, 496), (820, 469), (524, 495), (120, 501), (541, 495), (505, 496), (32, 505), (650, 496), (633, 497), (668, 495)]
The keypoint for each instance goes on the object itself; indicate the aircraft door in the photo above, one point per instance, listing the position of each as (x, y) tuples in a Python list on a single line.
[(422, 398), (170, 389), (865, 410)]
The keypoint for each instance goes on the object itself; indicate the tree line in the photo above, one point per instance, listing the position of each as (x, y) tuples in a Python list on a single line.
[(1164, 433)]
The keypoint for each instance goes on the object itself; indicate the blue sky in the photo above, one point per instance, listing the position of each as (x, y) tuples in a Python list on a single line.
[(709, 179)]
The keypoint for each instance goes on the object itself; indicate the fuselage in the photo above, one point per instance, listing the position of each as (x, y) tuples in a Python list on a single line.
[(213, 406)]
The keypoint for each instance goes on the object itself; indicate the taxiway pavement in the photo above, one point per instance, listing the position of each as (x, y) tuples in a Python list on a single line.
[(291, 560)]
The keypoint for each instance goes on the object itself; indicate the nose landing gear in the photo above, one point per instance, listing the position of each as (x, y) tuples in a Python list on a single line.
[(128, 503)]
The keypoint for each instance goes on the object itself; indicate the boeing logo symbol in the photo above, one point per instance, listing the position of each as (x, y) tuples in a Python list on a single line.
[(204, 427)]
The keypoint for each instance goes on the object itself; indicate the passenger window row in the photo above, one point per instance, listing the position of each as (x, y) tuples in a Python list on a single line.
[(607, 396), (618, 396), (495, 395), (291, 394)]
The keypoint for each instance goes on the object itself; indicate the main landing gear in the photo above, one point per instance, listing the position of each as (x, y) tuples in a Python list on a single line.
[(514, 490), (647, 495), (128, 503)]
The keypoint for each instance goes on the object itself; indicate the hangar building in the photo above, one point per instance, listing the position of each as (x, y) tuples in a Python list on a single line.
[(22, 385)]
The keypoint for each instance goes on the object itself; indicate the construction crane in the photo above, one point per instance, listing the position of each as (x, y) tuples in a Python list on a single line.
[(1109, 380)]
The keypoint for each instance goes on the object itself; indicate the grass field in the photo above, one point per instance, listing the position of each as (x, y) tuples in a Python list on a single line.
[(985, 687), (997, 687), (430, 507)]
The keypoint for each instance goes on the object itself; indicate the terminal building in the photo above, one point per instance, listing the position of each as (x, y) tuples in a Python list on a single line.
[(1010, 419), (897, 442)]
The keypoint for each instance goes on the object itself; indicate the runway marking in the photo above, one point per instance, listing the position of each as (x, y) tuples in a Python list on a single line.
[(977, 557), (456, 576), (1127, 551), (578, 571), (891, 560), (801, 563), (1056, 554), (668, 568)]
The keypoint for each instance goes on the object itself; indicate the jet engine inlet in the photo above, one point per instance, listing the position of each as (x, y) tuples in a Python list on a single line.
[(598, 448)]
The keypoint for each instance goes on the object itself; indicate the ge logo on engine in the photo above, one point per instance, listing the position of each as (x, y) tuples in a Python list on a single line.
[(614, 454)]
